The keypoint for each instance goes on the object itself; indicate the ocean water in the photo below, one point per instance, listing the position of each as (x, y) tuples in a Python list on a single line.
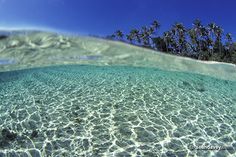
[(78, 96)]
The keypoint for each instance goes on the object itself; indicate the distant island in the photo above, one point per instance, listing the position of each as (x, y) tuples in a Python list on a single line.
[(203, 42)]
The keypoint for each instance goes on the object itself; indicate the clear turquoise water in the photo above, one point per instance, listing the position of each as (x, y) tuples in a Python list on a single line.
[(84, 110)]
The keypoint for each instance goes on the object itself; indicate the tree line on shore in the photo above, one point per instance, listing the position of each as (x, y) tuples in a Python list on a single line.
[(203, 42)]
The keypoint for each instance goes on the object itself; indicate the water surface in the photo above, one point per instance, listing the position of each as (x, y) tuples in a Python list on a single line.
[(37, 49), (129, 102)]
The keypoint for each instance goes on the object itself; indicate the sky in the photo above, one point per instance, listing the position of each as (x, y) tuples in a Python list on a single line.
[(103, 17)]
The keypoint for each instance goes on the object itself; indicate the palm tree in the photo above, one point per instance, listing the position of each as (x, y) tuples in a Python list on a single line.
[(209, 44), (211, 27), (180, 32), (119, 34), (155, 25), (145, 36), (229, 43), (218, 32), (193, 38), (229, 38), (129, 37), (173, 43), (135, 35), (205, 38), (167, 39), (197, 25)]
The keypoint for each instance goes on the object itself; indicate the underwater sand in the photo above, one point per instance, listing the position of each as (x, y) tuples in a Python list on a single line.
[(115, 100)]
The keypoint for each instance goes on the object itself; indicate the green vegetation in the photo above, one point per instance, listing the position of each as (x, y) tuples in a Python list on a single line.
[(204, 42)]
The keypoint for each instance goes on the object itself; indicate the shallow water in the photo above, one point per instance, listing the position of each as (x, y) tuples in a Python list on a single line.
[(115, 110), (96, 111)]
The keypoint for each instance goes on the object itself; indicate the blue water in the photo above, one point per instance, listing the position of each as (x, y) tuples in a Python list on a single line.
[(85, 110)]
